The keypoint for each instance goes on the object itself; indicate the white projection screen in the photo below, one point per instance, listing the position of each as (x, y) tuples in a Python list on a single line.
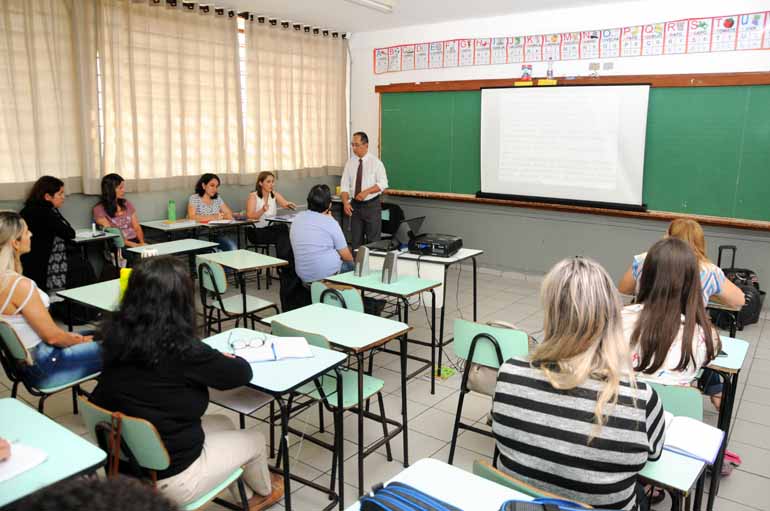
[(570, 143)]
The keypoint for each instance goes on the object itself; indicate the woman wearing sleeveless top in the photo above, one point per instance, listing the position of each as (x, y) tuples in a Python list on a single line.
[(264, 202), (59, 357)]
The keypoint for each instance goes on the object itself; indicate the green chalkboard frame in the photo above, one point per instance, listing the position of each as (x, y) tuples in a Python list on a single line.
[(716, 175)]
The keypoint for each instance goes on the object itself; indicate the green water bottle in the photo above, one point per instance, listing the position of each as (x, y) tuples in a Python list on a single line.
[(172, 211)]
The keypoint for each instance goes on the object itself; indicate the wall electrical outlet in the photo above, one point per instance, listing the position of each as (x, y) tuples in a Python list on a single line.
[(608, 66)]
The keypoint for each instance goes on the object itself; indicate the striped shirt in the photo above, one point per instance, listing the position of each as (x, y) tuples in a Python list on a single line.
[(543, 436)]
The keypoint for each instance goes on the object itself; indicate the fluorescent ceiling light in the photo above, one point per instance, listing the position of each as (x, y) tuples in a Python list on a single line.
[(385, 6)]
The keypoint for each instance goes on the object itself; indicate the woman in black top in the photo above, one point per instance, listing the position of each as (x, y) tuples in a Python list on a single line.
[(155, 368), (46, 263)]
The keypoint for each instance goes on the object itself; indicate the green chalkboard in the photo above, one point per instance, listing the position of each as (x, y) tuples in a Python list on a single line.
[(707, 148)]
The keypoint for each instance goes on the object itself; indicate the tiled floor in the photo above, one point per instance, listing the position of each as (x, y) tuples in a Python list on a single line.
[(430, 423)]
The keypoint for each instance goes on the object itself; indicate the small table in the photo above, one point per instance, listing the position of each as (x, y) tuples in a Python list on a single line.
[(177, 247), (83, 238), (729, 366), (171, 228), (455, 486), (406, 287), (732, 313), (678, 474), (104, 296), (279, 379), (69, 455), (241, 262), (355, 333), (435, 268)]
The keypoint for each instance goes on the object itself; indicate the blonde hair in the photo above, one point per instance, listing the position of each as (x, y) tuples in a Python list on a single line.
[(691, 232), (12, 227), (583, 335)]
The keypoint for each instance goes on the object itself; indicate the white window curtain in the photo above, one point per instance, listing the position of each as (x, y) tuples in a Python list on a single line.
[(44, 100), (171, 93), (295, 104)]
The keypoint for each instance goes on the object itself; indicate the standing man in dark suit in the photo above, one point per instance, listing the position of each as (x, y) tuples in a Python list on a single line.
[(363, 181)]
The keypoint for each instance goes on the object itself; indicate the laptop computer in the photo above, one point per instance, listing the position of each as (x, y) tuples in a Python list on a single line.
[(406, 231)]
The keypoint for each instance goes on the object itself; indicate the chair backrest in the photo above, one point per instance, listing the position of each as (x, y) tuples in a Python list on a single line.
[(139, 436), (12, 346), (118, 241), (211, 276), (338, 295), (282, 330), (483, 468), (512, 343), (680, 400)]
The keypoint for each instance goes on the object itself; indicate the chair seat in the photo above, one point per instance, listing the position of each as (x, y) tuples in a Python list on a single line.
[(209, 496), (234, 304), (372, 386), (242, 400), (53, 390)]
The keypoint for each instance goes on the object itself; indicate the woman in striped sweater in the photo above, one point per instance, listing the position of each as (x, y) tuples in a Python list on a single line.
[(573, 421)]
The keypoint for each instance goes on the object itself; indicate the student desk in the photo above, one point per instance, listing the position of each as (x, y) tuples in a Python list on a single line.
[(177, 247), (279, 379), (406, 287), (355, 333), (729, 366), (84, 238), (731, 312), (430, 267), (678, 474), (69, 455), (102, 296), (172, 228), (241, 262), (455, 486)]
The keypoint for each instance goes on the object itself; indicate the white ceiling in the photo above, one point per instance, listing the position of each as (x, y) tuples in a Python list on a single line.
[(348, 17)]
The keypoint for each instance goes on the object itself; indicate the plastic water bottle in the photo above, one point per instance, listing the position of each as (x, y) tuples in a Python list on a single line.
[(172, 211), (549, 71)]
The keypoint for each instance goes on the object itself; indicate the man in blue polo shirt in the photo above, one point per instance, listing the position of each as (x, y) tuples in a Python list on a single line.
[(320, 249)]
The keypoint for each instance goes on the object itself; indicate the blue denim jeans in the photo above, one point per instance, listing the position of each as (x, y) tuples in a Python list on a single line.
[(226, 244), (54, 366), (347, 266)]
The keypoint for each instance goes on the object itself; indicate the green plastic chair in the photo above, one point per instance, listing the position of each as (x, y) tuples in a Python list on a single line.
[(325, 390), (485, 469), (338, 295), (488, 346), (15, 358), (213, 284), (142, 447)]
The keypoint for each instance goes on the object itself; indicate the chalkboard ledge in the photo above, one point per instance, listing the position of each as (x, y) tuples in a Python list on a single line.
[(665, 216)]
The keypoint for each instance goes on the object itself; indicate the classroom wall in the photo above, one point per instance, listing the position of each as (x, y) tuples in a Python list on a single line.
[(528, 240)]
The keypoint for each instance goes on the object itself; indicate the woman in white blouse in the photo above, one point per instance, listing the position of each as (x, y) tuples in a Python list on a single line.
[(263, 203)]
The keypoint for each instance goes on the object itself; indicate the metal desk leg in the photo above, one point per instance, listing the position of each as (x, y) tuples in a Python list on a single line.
[(69, 315), (475, 288), (340, 439), (284, 449), (405, 427), (360, 361), (242, 281), (433, 341), (725, 417)]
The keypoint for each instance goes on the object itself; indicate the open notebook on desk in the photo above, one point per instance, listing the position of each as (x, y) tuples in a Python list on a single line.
[(263, 347), (692, 438)]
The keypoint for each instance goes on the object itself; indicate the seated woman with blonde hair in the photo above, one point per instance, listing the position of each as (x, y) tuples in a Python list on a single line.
[(713, 282), (59, 357), (573, 421)]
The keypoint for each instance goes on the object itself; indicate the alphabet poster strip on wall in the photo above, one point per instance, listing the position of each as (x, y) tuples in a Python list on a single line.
[(696, 35)]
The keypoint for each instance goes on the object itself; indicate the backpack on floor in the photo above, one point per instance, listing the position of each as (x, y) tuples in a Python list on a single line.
[(541, 504), (747, 281), (401, 497)]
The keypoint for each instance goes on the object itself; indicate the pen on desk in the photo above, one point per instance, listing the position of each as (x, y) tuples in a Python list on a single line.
[(229, 336)]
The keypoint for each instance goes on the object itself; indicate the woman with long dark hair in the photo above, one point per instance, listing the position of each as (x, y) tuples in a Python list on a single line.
[(668, 328), (46, 263), (113, 210), (156, 368)]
